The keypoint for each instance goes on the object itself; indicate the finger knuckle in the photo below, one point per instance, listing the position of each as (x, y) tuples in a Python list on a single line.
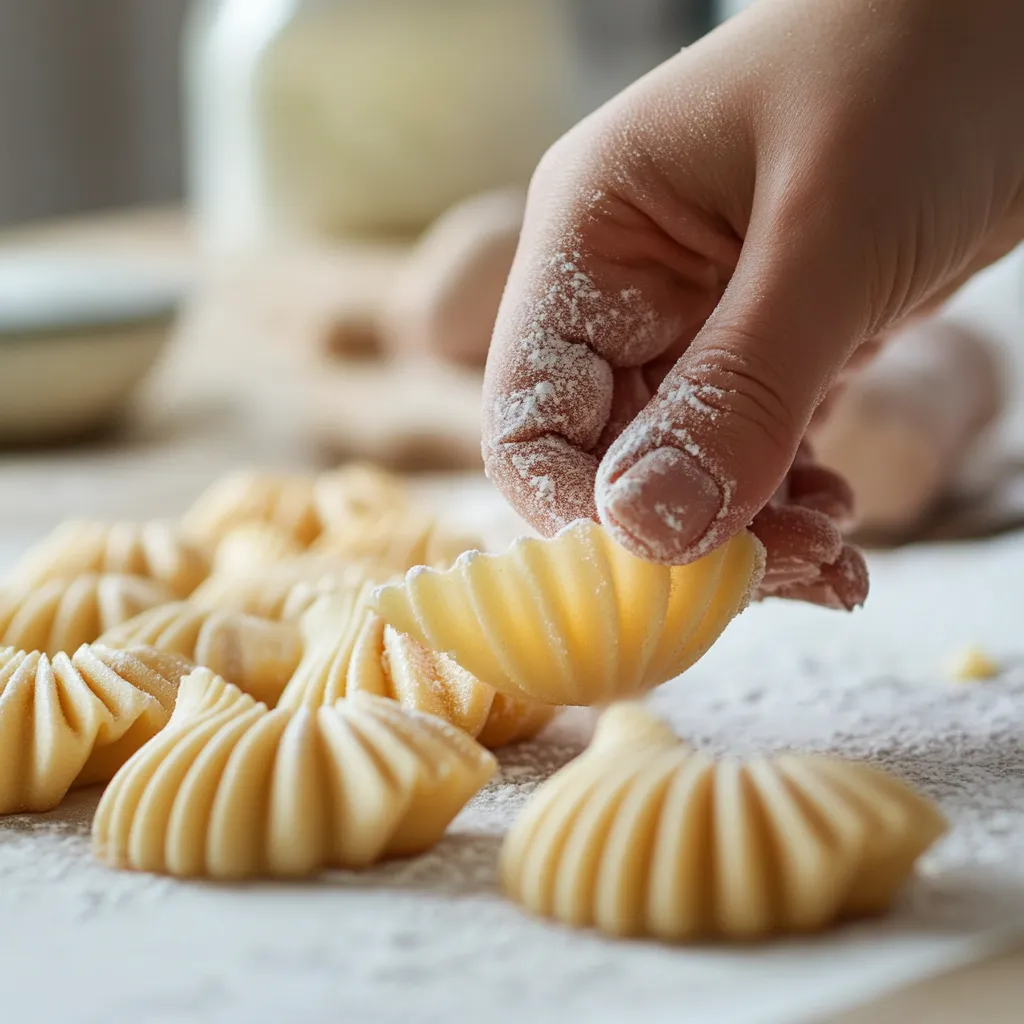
[(753, 391)]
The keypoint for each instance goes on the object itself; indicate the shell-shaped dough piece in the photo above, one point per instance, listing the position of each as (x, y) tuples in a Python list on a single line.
[(352, 580), (575, 619), (62, 614), (398, 540), (75, 720), (357, 492), (260, 592), (284, 590), (641, 836), (232, 790), (252, 546), (252, 496), (154, 550), (349, 650), (256, 654)]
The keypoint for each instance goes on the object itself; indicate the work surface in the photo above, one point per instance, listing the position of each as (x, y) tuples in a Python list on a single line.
[(432, 939)]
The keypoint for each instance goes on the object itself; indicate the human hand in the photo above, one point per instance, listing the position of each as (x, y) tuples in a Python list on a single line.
[(703, 256)]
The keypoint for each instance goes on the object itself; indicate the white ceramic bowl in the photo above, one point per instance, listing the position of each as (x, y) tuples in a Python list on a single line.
[(77, 334)]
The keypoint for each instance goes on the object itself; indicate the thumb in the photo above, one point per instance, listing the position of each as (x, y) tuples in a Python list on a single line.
[(715, 442)]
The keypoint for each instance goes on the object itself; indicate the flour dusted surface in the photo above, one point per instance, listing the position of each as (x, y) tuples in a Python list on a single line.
[(430, 939)]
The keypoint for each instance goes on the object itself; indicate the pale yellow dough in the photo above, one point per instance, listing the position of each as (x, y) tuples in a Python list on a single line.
[(349, 650), (285, 590), (398, 539), (156, 550), (575, 619), (251, 496), (253, 546), (256, 654), (62, 614), (641, 836), (75, 720), (973, 664), (356, 493), (231, 790)]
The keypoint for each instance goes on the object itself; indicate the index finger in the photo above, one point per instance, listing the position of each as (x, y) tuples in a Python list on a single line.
[(594, 294), (547, 394)]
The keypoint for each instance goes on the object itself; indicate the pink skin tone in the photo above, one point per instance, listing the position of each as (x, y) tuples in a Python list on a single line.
[(703, 257)]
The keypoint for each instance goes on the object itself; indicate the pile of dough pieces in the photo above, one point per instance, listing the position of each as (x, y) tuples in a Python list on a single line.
[(311, 672)]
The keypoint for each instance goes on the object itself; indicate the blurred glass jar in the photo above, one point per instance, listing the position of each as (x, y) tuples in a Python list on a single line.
[(366, 117)]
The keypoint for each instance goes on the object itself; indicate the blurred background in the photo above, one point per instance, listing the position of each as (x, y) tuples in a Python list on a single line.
[(91, 109), (276, 232)]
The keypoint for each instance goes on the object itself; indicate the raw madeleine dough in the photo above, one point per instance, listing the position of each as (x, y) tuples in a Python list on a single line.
[(62, 614), (399, 539), (256, 654), (154, 550), (575, 619), (75, 720), (232, 790), (349, 650), (250, 496), (252, 546), (357, 492), (641, 836)]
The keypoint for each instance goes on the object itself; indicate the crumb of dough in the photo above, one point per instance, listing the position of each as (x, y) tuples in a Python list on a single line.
[(973, 664)]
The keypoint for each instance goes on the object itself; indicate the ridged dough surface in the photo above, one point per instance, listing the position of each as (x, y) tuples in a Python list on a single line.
[(575, 619), (251, 496), (349, 650), (75, 720), (155, 550), (641, 836), (62, 614), (253, 546), (256, 654), (286, 589), (398, 539), (232, 790), (357, 492)]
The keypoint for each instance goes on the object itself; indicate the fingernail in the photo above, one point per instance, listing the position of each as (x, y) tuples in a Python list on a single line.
[(665, 503)]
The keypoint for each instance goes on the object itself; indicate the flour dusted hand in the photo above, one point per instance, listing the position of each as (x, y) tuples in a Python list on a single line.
[(703, 255)]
